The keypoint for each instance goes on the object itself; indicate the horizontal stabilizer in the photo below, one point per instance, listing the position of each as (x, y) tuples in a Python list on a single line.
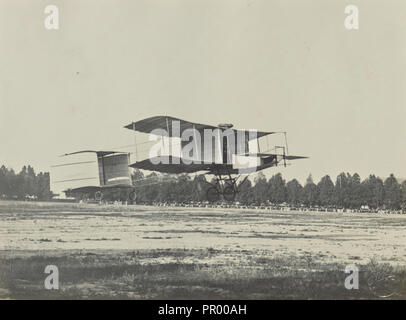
[(266, 155), (99, 153), (295, 157)]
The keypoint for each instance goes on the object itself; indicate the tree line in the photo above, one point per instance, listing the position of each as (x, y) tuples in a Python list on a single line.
[(25, 184), (347, 192)]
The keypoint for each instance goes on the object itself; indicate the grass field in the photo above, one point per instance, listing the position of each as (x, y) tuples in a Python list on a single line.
[(140, 252)]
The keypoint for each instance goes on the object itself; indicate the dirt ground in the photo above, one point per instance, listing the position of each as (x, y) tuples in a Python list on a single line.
[(145, 252)]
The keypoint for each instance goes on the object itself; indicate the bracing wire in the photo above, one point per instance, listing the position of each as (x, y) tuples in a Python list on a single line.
[(71, 164), (76, 179)]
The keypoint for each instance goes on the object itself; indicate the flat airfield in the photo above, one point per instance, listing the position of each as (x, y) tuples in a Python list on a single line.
[(147, 252)]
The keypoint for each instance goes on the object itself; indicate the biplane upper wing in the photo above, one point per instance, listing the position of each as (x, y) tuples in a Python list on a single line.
[(165, 122)]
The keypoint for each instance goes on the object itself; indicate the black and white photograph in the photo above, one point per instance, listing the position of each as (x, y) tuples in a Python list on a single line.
[(178, 150)]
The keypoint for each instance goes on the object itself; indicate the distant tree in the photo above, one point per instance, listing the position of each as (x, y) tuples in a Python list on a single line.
[(309, 194), (150, 189), (246, 193), (137, 177), (25, 183), (31, 181), (260, 188), (21, 185), (355, 192), (199, 188), (277, 189), (184, 189), (42, 186), (372, 192), (342, 190), (294, 192), (167, 191), (3, 181), (11, 183), (325, 190), (393, 195), (403, 188)]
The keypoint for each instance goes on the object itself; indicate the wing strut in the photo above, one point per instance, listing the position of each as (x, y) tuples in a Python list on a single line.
[(286, 142), (135, 141)]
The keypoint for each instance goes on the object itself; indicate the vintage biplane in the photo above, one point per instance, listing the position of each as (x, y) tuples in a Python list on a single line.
[(219, 150), (114, 177)]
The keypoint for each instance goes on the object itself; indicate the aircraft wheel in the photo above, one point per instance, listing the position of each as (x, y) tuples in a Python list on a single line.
[(98, 195), (213, 194), (132, 196), (229, 193)]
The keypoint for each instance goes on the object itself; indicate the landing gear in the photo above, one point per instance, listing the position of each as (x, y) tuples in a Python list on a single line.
[(222, 186), (83, 198), (229, 193), (132, 196), (98, 195), (114, 194)]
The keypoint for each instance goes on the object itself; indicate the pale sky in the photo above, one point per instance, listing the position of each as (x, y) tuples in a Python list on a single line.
[(270, 65)]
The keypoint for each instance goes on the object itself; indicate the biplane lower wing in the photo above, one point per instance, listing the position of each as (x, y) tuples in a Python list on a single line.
[(175, 165), (170, 164), (126, 192), (92, 189), (113, 174), (86, 189)]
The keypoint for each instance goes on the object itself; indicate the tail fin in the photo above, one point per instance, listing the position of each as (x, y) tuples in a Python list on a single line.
[(113, 167)]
